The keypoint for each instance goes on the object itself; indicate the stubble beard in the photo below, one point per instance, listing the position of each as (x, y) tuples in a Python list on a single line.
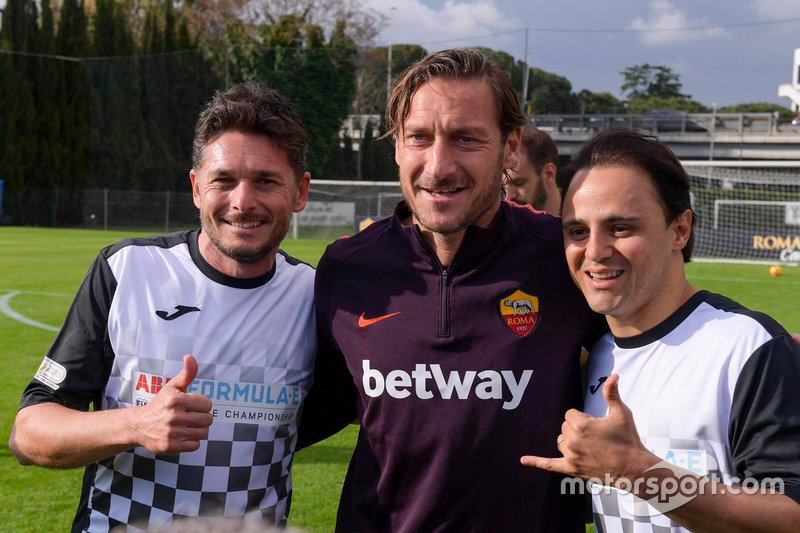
[(247, 255), (480, 205), (539, 196)]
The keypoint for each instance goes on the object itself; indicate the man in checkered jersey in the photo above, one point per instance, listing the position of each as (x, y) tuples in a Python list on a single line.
[(171, 435), (692, 413)]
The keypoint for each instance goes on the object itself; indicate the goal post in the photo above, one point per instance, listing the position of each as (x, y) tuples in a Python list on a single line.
[(336, 207), (747, 211)]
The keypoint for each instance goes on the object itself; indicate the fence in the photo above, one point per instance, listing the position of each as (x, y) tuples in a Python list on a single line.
[(746, 210), (334, 208)]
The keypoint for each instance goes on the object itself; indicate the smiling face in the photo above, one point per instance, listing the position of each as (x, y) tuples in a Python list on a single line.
[(621, 252), (451, 154), (246, 192)]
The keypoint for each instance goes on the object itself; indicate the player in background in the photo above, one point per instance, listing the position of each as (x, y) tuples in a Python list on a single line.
[(162, 434), (454, 328), (533, 180), (692, 399)]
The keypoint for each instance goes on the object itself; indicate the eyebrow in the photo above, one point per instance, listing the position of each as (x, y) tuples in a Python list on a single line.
[(226, 172), (469, 130), (608, 220)]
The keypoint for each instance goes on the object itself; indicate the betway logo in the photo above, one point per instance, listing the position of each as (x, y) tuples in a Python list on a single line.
[(490, 385)]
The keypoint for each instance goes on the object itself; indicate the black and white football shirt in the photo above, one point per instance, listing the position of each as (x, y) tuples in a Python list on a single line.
[(714, 390), (144, 304)]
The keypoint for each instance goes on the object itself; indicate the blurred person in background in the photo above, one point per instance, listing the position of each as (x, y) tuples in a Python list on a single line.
[(533, 180)]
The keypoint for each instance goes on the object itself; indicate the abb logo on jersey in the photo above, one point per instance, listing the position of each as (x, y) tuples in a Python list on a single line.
[(398, 383)]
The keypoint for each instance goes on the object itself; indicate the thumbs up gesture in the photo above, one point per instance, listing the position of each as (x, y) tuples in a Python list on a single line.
[(599, 447), (175, 420)]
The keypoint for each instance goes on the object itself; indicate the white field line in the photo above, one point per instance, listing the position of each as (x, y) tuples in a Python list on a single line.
[(5, 308), (64, 294)]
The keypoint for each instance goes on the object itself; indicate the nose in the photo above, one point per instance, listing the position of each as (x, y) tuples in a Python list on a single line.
[(441, 159), (242, 197), (599, 246), (513, 194)]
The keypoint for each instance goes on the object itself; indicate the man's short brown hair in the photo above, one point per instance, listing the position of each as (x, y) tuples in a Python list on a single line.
[(624, 147), (539, 148), (252, 108)]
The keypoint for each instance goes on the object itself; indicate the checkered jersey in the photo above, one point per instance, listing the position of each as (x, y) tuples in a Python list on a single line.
[(143, 305), (713, 390)]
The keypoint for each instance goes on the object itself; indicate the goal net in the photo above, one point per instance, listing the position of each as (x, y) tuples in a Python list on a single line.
[(747, 211), (336, 208)]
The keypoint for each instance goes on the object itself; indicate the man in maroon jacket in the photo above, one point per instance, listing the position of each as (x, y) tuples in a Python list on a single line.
[(451, 329)]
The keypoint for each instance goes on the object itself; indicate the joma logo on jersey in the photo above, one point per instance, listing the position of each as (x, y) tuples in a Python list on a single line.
[(520, 312), (490, 384)]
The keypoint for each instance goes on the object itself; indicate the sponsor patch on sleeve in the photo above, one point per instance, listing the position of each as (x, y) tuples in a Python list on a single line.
[(51, 373)]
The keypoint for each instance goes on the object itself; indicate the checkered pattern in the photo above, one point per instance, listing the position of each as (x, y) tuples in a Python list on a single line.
[(680, 389), (262, 337), (241, 475)]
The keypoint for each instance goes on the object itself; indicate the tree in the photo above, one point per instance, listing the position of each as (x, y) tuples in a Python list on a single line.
[(294, 57), (656, 87), (361, 24), (599, 103), (550, 93), (644, 104), (514, 68), (72, 100), (18, 116), (644, 81), (371, 72), (759, 107)]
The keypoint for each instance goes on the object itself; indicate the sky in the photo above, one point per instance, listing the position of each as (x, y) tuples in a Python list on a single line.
[(725, 51)]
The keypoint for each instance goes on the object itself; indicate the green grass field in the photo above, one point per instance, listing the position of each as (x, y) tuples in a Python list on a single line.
[(40, 269)]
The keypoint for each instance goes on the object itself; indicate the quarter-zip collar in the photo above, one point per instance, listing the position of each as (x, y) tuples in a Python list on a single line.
[(473, 247)]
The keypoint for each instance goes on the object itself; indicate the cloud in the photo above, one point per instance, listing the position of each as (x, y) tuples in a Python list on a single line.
[(776, 9), (661, 27), (456, 23)]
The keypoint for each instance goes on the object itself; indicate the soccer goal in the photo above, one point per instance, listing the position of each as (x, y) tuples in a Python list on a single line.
[(747, 211), (336, 208)]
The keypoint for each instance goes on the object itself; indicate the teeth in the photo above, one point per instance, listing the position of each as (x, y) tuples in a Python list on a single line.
[(245, 224), (605, 275)]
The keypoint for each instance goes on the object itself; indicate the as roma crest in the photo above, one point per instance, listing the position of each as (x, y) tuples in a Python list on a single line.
[(520, 312)]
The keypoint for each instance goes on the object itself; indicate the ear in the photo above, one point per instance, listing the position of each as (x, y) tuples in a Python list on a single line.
[(549, 172), (511, 149), (682, 228), (302, 192), (195, 188)]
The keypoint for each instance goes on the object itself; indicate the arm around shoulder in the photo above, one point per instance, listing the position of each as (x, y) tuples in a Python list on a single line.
[(332, 402)]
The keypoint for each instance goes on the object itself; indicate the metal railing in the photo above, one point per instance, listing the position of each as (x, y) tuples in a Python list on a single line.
[(676, 122)]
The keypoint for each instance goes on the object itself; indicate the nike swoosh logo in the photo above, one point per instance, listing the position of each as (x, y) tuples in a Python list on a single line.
[(364, 322), (181, 310), (595, 388)]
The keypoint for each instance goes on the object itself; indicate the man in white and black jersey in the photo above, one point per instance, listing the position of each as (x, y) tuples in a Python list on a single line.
[(180, 370), (692, 413)]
